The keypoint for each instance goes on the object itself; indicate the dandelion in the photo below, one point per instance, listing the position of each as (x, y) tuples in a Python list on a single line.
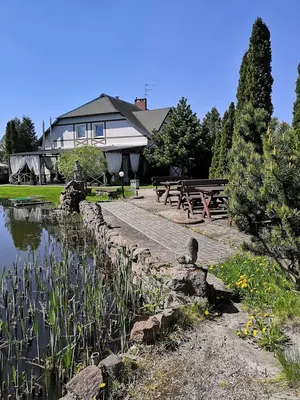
[(249, 323), (252, 317), (102, 385), (264, 329), (254, 332), (244, 285), (239, 333), (266, 315), (245, 332), (206, 312)]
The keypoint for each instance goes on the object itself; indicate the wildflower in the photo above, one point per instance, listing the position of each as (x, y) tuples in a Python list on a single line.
[(245, 332), (266, 315), (264, 329), (254, 332), (252, 317), (239, 333), (249, 324), (244, 285), (102, 385), (206, 312), (265, 283)]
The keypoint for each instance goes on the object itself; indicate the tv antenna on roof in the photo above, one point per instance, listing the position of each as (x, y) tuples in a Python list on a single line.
[(147, 89)]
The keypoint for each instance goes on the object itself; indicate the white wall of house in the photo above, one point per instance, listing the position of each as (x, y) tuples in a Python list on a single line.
[(117, 131)]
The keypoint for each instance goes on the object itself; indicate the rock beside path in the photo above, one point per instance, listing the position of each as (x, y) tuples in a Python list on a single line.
[(86, 384)]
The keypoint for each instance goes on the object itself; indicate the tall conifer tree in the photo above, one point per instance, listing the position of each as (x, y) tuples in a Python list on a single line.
[(241, 90), (8, 143), (226, 141), (296, 110)]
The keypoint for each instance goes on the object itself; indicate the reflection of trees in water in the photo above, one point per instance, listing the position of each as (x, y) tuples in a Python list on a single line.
[(25, 227)]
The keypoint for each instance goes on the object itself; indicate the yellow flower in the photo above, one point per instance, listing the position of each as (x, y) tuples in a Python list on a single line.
[(246, 332), (251, 317), (238, 333), (102, 385), (266, 315), (206, 312), (264, 330), (244, 285), (254, 332), (249, 324)]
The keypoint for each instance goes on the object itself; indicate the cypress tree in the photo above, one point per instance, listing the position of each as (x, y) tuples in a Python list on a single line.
[(213, 173), (258, 89), (241, 90), (8, 142), (226, 141), (210, 129), (296, 110)]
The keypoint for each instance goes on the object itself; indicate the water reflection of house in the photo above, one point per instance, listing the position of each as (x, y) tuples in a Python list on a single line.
[(121, 129), (3, 173)]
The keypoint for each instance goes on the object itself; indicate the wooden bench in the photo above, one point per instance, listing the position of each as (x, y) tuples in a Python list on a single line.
[(204, 194), (159, 188)]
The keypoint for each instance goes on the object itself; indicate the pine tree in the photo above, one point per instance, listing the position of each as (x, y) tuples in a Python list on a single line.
[(14, 135), (214, 169), (296, 110), (8, 142), (279, 236), (259, 78), (27, 135), (177, 141), (226, 141), (246, 202), (241, 90)]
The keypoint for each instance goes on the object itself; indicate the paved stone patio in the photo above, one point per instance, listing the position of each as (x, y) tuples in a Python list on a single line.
[(166, 233)]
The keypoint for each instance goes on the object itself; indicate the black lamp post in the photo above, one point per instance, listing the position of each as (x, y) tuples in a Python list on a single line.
[(121, 175)]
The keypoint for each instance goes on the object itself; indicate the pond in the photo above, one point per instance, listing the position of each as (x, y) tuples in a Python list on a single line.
[(63, 305)]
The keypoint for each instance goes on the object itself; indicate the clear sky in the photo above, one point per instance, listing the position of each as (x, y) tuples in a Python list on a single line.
[(58, 54)]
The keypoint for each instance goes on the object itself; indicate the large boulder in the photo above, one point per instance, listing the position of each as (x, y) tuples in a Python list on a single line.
[(112, 366), (86, 384), (71, 196), (145, 331), (189, 281)]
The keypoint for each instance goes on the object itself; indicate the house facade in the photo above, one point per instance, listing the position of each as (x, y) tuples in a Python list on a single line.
[(121, 129)]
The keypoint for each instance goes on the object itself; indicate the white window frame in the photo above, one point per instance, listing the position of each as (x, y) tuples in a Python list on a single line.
[(77, 131), (94, 126)]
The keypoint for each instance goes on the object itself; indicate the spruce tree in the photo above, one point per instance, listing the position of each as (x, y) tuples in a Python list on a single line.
[(296, 110), (214, 169), (27, 135), (210, 130), (177, 141), (226, 141), (259, 78), (241, 90), (8, 142)]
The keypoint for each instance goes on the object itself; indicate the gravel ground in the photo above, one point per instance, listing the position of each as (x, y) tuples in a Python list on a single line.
[(215, 364)]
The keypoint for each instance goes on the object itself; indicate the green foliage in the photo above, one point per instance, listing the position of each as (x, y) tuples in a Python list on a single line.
[(246, 201), (213, 171), (290, 364), (241, 90), (280, 233), (259, 79), (20, 136), (296, 109), (91, 160), (14, 135), (210, 138), (7, 139), (178, 140), (262, 286), (226, 142)]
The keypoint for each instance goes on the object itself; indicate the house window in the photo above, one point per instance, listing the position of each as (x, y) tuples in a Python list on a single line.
[(98, 130), (80, 131)]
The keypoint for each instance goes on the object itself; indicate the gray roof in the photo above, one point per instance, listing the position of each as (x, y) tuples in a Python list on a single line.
[(152, 119), (105, 104)]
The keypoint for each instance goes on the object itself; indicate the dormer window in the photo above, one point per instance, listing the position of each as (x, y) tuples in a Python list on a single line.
[(81, 131)]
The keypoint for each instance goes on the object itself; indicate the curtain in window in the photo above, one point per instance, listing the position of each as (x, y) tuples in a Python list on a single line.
[(33, 163), (50, 162), (134, 161), (114, 162), (17, 163)]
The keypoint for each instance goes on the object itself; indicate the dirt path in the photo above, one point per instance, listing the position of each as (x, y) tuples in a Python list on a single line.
[(215, 364)]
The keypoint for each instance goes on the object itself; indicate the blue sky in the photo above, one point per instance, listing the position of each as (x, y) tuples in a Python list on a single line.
[(58, 54)]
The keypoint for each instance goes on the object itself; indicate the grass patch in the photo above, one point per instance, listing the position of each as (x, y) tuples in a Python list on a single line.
[(261, 285), (51, 193), (290, 365)]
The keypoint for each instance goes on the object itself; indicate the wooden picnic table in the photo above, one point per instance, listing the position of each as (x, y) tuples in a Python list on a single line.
[(168, 185), (207, 194)]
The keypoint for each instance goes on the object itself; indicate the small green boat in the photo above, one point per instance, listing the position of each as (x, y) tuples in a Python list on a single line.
[(29, 201)]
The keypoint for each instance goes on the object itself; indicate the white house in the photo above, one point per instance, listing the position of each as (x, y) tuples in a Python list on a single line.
[(119, 128)]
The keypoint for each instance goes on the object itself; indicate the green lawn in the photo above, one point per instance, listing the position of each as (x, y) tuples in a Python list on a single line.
[(51, 193)]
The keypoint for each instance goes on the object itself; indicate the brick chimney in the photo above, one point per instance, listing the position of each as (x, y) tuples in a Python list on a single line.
[(141, 103)]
